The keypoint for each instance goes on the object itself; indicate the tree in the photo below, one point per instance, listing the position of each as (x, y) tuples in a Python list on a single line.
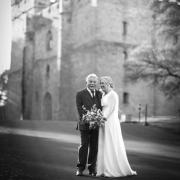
[(4, 80), (3, 88), (160, 61)]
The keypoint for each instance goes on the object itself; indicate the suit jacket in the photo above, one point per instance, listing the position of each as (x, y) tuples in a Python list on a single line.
[(83, 98)]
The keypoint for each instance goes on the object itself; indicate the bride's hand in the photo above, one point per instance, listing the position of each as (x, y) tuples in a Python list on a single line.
[(104, 119)]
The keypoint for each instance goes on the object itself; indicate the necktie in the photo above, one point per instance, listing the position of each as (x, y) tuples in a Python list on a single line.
[(93, 93)]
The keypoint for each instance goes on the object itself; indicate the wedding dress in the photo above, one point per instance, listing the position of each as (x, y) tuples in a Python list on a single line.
[(112, 159)]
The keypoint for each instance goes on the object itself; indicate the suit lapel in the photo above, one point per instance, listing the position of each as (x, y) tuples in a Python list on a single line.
[(88, 94)]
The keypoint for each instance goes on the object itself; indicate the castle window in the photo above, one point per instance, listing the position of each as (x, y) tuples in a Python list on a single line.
[(125, 98), (47, 71), (124, 28), (175, 40), (69, 19), (125, 55), (94, 3), (49, 40), (30, 35)]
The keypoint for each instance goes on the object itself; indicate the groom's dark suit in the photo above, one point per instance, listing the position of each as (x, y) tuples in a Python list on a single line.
[(89, 138)]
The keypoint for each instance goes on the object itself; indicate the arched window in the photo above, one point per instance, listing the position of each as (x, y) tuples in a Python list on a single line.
[(125, 55), (124, 28), (49, 40), (47, 71), (125, 98)]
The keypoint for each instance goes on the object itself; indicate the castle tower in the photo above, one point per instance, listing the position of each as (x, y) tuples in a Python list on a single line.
[(43, 51), (21, 9), (103, 33)]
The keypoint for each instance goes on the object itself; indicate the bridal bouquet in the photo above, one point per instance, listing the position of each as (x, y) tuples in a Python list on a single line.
[(94, 117)]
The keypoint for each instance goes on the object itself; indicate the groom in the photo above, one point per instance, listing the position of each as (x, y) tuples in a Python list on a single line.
[(89, 137)]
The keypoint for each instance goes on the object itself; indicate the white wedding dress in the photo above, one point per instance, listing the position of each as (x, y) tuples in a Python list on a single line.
[(112, 159)]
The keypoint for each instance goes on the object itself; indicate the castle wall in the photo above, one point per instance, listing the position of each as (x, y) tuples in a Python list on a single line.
[(44, 71)]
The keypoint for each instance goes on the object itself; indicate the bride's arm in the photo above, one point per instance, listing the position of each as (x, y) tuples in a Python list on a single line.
[(110, 106)]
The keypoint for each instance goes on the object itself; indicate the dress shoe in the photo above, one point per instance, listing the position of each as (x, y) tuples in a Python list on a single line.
[(79, 173), (92, 173)]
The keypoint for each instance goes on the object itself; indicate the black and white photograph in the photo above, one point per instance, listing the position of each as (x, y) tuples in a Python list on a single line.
[(90, 89)]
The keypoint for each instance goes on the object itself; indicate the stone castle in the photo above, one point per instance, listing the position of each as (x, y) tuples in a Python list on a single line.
[(55, 45)]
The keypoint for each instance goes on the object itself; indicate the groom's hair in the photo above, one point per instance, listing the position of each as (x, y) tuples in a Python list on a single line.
[(91, 75)]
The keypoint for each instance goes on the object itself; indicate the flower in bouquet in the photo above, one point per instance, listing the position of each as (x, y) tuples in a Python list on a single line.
[(93, 117)]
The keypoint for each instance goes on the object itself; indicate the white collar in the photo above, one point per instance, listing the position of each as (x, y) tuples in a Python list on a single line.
[(91, 92)]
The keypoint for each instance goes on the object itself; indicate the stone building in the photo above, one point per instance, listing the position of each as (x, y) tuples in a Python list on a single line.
[(21, 10), (69, 39)]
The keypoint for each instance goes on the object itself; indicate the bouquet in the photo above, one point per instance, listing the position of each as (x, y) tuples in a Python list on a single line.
[(94, 117)]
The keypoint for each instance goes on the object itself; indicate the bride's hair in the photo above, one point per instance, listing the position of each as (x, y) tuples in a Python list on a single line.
[(108, 80)]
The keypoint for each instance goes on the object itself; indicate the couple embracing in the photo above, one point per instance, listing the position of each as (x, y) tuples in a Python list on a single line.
[(102, 149)]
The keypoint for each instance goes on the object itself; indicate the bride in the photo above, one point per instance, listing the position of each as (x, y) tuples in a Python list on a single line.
[(112, 159)]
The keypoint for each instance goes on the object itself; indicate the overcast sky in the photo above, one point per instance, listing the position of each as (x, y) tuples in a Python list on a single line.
[(5, 34)]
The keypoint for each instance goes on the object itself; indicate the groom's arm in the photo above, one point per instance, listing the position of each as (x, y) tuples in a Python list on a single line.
[(100, 97), (79, 104)]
